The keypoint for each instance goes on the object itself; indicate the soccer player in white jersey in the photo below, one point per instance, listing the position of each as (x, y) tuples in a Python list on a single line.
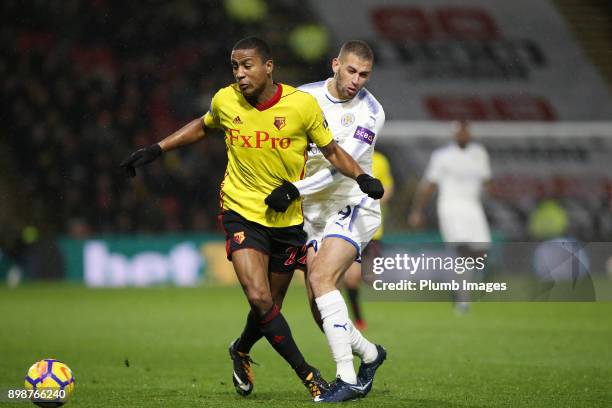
[(339, 219), (459, 171)]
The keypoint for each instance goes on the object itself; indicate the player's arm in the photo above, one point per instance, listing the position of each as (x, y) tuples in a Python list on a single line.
[(487, 176), (345, 164), (281, 197), (328, 175), (426, 188), (423, 194), (188, 134), (363, 141), (389, 190), (341, 160)]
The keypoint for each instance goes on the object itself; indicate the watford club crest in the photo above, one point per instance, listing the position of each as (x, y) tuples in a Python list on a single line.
[(239, 237), (279, 122)]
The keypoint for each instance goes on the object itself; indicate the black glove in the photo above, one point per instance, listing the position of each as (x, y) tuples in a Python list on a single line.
[(139, 158), (371, 186), (281, 197)]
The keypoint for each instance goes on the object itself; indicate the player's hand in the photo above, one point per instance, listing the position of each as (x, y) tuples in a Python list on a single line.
[(140, 158), (371, 186), (281, 197), (415, 220)]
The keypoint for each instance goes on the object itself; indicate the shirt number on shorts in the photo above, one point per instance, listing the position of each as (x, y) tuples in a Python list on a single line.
[(293, 253), (343, 215)]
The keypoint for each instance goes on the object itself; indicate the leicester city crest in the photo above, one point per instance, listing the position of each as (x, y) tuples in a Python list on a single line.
[(347, 119)]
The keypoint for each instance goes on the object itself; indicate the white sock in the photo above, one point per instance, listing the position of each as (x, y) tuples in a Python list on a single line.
[(337, 327), (362, 347)]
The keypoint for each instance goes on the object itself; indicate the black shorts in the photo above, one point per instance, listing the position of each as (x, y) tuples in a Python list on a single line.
[(286, 246)]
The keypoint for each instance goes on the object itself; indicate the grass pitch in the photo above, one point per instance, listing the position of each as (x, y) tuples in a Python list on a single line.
[(175, 343)]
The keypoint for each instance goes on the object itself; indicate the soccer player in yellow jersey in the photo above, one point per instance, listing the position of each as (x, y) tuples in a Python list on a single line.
[(267, 126), (382, 171)]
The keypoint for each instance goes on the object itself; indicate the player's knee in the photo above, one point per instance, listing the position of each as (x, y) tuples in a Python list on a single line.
[(318, 279), (260, 300)]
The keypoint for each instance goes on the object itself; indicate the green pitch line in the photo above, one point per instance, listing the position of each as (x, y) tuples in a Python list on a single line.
[(167, 347)]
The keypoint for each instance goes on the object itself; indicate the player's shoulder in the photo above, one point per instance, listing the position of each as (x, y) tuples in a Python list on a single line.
[(230, 91), (443, 151), (312, 87), (478, 147), (369, 100), (297, 96)]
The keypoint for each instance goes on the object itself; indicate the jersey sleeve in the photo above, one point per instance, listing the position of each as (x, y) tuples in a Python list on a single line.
[(211, 118), (365, 136), (317, 128), (362, 140)]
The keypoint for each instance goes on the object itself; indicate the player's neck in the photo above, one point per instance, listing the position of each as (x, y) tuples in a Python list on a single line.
[(265, 95), (333, 90)]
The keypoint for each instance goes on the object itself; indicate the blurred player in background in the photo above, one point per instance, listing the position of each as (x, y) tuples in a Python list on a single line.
[(339, 219), (382, 171), (459, 171), (267, 126)]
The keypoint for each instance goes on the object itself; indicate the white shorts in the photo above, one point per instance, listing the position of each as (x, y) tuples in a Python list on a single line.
[(463, 223), (355, 219)]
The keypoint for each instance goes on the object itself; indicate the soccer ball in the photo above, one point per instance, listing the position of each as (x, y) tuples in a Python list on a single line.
[(51, 381)]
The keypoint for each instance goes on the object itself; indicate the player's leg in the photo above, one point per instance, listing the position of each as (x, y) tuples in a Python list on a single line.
[(314, 310), (251, 268), (352, 280), (339, 249), (248, 246), (247, 250), (335, 256), (279, 283), (359, 345), (310, 376), (287, 254)]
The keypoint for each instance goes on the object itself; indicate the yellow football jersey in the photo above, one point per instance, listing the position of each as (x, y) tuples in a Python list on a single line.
[(382, 171), (266, 144)]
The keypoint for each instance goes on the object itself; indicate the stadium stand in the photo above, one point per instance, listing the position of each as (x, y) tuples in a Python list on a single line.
[(89, 80)]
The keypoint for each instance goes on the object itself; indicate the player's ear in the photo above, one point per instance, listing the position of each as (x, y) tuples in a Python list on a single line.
[(269, 67), (335, 65)]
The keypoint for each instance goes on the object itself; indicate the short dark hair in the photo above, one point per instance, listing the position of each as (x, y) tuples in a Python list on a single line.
[(257, 44), (359, 48)]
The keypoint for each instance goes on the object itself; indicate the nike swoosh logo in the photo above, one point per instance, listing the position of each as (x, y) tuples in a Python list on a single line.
[(363, 387), (243, 386)]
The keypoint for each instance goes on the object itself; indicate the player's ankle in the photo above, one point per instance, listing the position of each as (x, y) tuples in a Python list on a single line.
[(303, 370)]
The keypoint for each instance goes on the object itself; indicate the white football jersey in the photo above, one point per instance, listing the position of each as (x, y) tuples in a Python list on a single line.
[(355, 125), (459, 173)]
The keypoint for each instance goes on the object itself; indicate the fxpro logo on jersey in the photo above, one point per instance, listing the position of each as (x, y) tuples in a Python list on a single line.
[(365, 135), (259, 140)]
